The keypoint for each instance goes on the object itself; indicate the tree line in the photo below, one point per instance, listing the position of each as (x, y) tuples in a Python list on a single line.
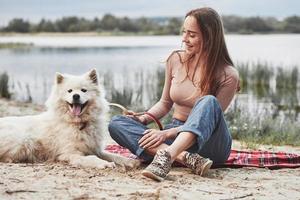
[(153, 26)]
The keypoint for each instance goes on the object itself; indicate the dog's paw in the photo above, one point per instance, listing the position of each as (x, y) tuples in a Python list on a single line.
[(105, 165), (132, 163), (110, 165)]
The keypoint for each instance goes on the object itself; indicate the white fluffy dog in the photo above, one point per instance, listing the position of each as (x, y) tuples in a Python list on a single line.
[(71, 130)]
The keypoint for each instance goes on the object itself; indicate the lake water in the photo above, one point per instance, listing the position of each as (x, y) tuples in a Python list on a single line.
[(31, 70)]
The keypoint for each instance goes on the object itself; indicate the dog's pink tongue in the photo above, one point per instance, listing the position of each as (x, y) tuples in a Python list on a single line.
[(76, 110)]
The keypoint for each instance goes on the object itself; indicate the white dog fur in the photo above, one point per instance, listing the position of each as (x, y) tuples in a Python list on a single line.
[(71, 130)]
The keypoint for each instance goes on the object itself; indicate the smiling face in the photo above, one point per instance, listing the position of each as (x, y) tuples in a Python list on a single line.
[(78, 91), (191, 36), (77, 99)]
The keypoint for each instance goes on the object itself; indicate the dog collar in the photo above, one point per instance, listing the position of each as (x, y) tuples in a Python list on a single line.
[(82, 125)]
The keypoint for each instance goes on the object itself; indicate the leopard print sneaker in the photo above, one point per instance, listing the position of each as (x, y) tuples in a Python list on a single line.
[(159, 167), (197, 163)]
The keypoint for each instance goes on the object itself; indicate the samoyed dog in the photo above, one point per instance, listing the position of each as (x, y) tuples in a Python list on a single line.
[(71, 130)]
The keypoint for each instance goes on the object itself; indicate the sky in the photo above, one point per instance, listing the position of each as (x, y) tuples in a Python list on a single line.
[(34, 10)]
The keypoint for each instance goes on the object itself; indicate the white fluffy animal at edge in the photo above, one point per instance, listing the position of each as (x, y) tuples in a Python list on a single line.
[(71, 130)]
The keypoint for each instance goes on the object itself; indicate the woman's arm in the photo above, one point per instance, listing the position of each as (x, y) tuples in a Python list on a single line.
[(164, 105), (228, 87)]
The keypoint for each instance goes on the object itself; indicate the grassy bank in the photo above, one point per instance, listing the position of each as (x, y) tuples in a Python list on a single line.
[(263, 129), (14, 45)]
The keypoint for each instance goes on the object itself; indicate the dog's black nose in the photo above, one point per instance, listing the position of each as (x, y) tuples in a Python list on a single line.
[(76, 97)]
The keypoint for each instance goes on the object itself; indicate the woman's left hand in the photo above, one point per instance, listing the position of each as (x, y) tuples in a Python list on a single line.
[(152, 138)]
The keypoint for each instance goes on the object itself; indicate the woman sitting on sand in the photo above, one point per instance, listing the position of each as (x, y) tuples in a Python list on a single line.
[(200, 83)]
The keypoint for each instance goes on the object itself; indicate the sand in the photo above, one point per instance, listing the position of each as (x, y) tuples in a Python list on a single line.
[(60, 181)]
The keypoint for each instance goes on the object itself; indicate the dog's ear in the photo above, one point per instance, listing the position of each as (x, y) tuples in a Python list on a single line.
[(59, 78), (93, 76)]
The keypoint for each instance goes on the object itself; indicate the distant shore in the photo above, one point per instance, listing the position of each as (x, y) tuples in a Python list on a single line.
[(74, 34), (96, 34)]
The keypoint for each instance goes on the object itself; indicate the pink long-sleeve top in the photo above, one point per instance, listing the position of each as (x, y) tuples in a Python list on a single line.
[(179, 91)]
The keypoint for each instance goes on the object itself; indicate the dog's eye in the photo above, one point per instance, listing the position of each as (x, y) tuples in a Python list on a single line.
[(70, 90), (83, 90)]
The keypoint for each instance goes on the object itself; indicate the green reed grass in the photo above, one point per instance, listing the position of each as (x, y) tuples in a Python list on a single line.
[(260, 74), (244, 73), (4, 87), (287, 79)]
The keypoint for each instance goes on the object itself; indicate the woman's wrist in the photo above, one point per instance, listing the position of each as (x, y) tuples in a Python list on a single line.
[(143, 119), (172, 133)]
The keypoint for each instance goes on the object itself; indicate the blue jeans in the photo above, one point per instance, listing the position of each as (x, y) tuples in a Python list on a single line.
[(206, 121)]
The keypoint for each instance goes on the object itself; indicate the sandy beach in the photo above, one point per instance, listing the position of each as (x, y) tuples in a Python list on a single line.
[(60, 181)]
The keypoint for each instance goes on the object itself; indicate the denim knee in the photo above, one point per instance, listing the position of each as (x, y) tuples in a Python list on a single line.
[(114, 125), (211, 100), (207, 98)]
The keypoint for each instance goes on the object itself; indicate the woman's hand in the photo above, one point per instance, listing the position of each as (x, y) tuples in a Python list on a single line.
[(152, 138), (140, 118)]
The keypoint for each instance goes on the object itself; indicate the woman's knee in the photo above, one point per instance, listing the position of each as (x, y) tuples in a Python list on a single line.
[(210, 100), (115, 124)]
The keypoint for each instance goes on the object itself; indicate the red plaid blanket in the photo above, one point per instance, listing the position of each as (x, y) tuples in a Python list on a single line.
[(267, 159), (239, 158)]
